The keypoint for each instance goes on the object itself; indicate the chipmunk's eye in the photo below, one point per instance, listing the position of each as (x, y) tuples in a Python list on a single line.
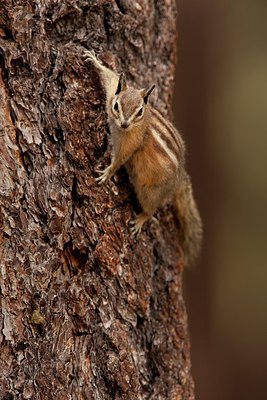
[(140, 112), (116, 106)]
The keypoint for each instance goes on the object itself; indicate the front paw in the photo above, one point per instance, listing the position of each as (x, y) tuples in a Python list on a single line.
[(89, 55), (104, 175)]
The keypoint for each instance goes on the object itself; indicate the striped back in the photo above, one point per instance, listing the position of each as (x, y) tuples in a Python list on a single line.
[(167, 137)]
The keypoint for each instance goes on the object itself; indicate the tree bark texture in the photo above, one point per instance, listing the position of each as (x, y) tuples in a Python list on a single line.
[(87, 312)]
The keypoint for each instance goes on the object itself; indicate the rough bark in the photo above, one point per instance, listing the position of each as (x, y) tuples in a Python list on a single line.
[(87, 312)]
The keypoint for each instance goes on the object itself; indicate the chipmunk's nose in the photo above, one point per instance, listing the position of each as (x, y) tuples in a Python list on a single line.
[(124, 125)]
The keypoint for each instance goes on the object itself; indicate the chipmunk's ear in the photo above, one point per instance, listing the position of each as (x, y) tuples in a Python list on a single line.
[(146, 92), (122, 85)]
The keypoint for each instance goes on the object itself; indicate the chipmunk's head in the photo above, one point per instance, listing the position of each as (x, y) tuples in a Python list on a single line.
[(128, 105)]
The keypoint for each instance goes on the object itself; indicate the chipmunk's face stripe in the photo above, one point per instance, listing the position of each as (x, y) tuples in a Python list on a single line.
[(127, 109), (134, 117), (156, 134), (117, 111), (131, 102)]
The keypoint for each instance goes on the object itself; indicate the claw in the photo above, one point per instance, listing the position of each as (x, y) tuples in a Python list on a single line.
[(89, 55), (137, 223), (135, 229), (99, 171), (104, 175)]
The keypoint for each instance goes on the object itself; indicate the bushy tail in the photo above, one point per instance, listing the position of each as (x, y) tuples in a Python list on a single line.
[(189, 221)]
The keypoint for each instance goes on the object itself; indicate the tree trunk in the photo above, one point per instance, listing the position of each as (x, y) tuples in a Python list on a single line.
[(87, 312)]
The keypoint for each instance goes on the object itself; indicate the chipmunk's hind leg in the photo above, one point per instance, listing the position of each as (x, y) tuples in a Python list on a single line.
[(150, 198)]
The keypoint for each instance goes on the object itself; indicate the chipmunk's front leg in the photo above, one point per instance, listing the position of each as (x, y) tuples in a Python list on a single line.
[(108, 77), (117, 161), (121, 154)]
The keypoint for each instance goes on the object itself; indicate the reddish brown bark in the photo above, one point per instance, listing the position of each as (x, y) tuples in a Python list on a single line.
[(87, 312)]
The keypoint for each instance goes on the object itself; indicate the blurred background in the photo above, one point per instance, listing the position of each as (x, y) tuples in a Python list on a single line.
[(220, 107)]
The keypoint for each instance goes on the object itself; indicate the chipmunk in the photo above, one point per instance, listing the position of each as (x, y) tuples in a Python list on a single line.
[(153, 152)]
